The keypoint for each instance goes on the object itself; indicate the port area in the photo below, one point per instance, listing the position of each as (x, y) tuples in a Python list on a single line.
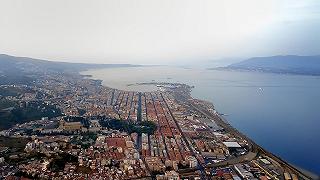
[(250, 157), (114, 134)]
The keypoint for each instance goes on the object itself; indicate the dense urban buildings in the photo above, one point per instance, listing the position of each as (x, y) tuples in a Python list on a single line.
[(96, 132)]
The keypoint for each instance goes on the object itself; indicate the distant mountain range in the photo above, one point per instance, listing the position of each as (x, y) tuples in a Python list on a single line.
[(290, 64), (19, 69), (12, 64)]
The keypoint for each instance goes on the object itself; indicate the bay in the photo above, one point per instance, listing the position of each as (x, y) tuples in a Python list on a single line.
[(279, 112)]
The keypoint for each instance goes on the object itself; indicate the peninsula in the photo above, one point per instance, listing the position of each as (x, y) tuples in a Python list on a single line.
[(289, 64)]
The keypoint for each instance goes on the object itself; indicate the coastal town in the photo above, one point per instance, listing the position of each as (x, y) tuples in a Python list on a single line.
[(97, 132)]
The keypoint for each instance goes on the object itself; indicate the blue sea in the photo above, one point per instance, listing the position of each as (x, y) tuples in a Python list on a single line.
[(280, 112)]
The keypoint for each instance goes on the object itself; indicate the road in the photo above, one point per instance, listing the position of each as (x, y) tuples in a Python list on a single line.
[(201, 167), (255, 148)]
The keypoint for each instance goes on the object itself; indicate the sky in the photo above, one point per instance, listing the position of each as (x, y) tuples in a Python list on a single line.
[(158, 31)]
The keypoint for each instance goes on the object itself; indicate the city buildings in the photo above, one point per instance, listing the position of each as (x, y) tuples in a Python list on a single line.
[(190, 141)]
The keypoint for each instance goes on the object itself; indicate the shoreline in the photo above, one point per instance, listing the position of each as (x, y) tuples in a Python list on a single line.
[(260, 149), (304, 173)]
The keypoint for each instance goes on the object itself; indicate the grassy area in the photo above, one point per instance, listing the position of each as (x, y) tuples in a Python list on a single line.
[(85, 139), (4, 103), (58, 163), (13, 142), (123, 125), (83, 170), (16, 147), (34, 111), (12, 91)]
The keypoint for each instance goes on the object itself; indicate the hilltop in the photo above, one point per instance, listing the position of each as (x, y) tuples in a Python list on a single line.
[(290, 64), (19, 69), (25, 64)]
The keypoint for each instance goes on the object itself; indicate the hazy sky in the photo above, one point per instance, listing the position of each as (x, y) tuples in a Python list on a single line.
[(158, 31)]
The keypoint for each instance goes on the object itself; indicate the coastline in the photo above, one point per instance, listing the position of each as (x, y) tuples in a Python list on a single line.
[(279, 72), (225, 124), (260, 149)]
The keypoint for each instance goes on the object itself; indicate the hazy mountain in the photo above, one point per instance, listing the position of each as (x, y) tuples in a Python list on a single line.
[(307, 65), (18, 69), (25, 64)]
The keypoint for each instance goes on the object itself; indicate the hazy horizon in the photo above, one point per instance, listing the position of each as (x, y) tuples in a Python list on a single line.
[(158, 32), (159, 89)]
